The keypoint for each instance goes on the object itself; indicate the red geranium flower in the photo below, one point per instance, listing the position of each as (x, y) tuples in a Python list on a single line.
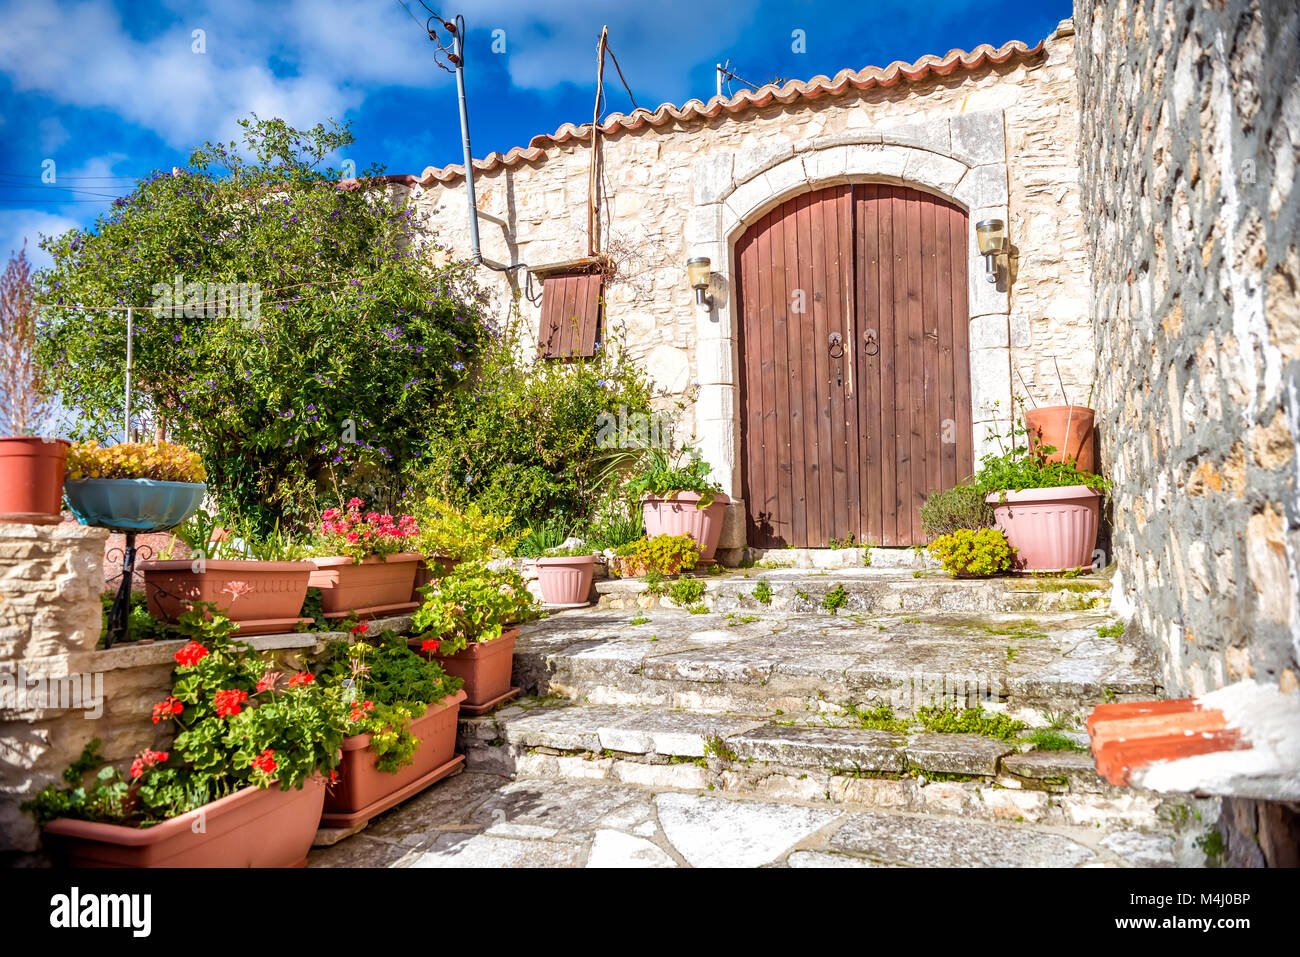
[(191, 655), (268, 680), (265, 761), (301, 678), (165, 708), (228, 702), (429, 644), (146, 759), (360, 628)]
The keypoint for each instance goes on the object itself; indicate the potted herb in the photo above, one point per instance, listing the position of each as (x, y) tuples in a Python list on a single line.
[(241, 785), (134, 486), (565, 574), (402, 711), (678, 498), (258, 582), (1048, 510), (365, 569), (468, 624), (31, 466)]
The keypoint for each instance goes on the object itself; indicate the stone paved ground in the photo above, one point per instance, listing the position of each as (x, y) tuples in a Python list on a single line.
[(484, 820)]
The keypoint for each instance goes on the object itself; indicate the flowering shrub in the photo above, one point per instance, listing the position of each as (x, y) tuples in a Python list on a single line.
[(386, 685), (346, 531), (966, 551), (663, 555), (471, 603), (238, 724), (325, 373), (161, 461)]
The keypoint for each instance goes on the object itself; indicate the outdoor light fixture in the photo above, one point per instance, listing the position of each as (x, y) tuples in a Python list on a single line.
[(699, 272), (991, 235)]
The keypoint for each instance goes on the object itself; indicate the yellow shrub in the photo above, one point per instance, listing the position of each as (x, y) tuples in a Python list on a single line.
[(970, 552), (161, 461)]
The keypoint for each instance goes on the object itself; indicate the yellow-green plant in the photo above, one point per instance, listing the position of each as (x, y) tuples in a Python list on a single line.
[(663, 554), (161, 461), (968, 551), (470, 534)]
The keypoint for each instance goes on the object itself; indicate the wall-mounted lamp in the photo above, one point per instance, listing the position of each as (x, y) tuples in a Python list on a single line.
[(991, 236), (699, 272)]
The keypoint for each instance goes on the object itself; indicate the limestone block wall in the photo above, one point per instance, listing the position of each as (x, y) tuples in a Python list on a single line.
[(1191, 136), (665, 192)]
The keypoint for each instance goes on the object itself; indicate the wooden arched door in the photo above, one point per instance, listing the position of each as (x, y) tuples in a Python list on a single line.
[(855, 370)]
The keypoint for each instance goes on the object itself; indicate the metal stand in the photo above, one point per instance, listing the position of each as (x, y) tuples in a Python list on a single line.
[(121, 608)]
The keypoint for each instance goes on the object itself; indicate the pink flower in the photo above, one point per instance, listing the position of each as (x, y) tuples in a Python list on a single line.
[(355, 503), (353, 536), (268, 680)]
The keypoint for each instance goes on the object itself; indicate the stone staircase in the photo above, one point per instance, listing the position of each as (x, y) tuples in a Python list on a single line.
[(855, 702)]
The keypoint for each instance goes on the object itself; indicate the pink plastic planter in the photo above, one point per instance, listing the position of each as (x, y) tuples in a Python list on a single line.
[(678, 515), (375, 586), (566, 580), (1052, 529)]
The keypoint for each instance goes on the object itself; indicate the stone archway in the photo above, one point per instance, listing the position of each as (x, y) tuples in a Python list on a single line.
[(962, 159)]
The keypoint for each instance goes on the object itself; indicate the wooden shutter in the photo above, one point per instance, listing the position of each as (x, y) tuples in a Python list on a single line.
[(571, 307)]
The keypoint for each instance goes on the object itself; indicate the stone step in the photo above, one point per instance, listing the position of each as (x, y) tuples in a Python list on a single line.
[(860, 590), (480, 820), (764, 661), (827, 558), (813, 760)]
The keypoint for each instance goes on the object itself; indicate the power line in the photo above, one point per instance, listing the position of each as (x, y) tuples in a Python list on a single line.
[(71, 179)]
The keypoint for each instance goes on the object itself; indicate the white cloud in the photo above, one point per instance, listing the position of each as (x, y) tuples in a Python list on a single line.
[(30, 224)]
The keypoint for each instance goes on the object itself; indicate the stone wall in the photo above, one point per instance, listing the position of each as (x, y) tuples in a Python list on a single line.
[(1191, 134), (654, 207)]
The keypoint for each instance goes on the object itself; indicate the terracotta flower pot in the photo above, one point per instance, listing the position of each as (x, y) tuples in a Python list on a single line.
[(250, 828), (678, 514), (566, 580), (1053, 529), (262, 598), (375, 586), (31, 479), (485, 667), (362, 790), (1068, 429)]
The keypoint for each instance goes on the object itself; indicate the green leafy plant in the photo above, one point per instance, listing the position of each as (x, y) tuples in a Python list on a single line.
[(1050, 740), (662, 473), (1015, 467), (540, 538), (763, 592), (1113, 630), (614, 530), (974, 553), (572, 551), (472, 603), (950, 720), (686, 591), (386, 685), (239, 723), (835, 599), (943, 513), (663, 554), (469, 533)]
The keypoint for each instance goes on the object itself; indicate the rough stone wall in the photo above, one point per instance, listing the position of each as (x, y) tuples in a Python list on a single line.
[(1191, 133), (646, 194)]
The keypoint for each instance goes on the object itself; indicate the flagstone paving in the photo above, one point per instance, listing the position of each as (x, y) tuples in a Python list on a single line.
[(483, 820)]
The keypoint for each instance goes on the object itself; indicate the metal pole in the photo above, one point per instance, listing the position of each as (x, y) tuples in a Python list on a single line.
[(719, 77), (130, 354), (458, 47)]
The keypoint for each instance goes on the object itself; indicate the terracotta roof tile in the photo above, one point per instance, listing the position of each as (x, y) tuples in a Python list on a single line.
[(897, 72)]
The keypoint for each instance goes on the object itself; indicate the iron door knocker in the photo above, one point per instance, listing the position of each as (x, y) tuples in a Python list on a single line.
[(836, 342), (872, 346)]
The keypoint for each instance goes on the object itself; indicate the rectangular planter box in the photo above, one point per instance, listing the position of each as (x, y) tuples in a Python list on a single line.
[(362, 791), (263, 598), (250, 828), (373, 587), (485, 667)]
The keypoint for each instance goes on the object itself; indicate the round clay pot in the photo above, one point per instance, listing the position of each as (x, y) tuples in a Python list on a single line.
[(1052, 529), (1068, 429), (262, 598), (678, 514), (566, 580), (31, 479)]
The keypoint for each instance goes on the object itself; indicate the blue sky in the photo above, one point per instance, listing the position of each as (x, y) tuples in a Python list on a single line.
[(112, 90)]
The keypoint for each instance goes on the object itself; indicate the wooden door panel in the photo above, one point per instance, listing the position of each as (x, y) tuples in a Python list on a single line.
[(840, 446)]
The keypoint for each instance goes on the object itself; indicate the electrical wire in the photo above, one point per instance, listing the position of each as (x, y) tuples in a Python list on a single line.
[(620, 76)]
